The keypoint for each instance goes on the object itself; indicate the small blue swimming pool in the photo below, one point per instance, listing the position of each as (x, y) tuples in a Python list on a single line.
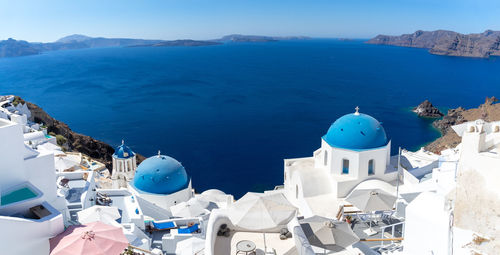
[(17, 195)]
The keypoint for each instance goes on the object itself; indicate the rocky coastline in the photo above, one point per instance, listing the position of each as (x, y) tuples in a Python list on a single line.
[(87, 145), (448, 43), (488, 111)]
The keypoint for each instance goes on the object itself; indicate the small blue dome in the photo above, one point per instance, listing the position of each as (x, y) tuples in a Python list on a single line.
[(356, 131), (123, 151), (160, 175)]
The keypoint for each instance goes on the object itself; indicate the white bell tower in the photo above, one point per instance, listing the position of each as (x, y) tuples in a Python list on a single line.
[(124, 165)]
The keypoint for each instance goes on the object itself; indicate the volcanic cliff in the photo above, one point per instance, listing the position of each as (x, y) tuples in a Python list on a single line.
[(449, 43)]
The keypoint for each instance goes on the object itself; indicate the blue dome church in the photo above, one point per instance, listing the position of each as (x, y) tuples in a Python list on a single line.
[(354, 149), (161, 180), (124, 165)]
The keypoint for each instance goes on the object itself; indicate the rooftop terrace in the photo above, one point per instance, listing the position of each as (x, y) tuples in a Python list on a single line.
[(227, 245)]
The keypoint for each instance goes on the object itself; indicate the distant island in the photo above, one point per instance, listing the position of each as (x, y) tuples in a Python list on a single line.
[(190, 43), (16, 48), (258, 38), (448, 43)]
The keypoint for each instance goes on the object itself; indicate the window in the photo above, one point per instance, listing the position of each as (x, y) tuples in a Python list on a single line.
[(345, 166), (371, 167), (325, 158), (297, 191)]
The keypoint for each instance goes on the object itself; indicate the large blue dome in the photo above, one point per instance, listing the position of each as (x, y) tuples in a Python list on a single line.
[(356, 131), (123, 151), (160, 175)]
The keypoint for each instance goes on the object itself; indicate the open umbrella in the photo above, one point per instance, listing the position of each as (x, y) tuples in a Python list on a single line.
[(190, 246), (95, 238), (105, 214), (64, 162), (328, 234), (214, 195), (371, 200), (258, 211), (193, 207)]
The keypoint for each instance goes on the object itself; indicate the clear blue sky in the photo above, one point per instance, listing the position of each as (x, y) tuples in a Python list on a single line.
[(48, 20)]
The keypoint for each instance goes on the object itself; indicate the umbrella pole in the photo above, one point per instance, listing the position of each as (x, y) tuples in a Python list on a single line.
[(398, 176), (265, 246)]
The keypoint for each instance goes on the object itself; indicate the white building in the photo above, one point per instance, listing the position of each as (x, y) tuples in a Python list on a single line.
[(354, 149), (124, 166), (459, 204), (30, 210)]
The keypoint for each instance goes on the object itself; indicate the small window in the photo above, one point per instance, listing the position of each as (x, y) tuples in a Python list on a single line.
[(371, 167), (325, 158), (297, 191), (345, 166)]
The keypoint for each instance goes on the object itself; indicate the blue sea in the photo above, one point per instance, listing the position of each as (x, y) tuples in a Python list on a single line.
[(231, 113)]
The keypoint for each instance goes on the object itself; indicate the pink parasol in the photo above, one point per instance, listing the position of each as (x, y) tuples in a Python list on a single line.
[(95, 238)]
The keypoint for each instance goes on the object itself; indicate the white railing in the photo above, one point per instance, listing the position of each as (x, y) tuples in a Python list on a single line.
[(393, 227)]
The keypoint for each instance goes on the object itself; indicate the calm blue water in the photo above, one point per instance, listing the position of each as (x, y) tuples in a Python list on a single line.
[(232, 113)]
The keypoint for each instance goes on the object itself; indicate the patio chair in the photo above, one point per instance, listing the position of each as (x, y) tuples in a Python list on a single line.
[(189, 230), (161, 226), (103, 199)]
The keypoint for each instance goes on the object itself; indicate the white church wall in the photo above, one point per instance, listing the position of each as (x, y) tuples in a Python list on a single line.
[(165, 201), (379, 157), (337, 157), (358, 160)]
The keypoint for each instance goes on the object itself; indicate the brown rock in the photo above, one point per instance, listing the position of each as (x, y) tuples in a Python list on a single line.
[(489, 111), (87, 145), (449, 43), (426, 109)]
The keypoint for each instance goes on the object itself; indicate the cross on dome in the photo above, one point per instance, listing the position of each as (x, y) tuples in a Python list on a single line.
[(357, 110), (123, 142), (159, 154)]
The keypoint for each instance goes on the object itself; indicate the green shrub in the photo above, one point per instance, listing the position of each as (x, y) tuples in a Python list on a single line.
[(16, 101), (60, 140)]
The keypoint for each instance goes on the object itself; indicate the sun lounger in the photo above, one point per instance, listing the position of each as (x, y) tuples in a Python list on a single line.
[(188, 230), (160, 226)]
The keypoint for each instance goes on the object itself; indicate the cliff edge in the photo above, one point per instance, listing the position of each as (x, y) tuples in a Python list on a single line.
[(87, 145), (489, 111), (449, 43)]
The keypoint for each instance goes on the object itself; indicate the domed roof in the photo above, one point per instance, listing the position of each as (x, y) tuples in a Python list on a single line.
[(356, 131), (160, 175), (123, 151)]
